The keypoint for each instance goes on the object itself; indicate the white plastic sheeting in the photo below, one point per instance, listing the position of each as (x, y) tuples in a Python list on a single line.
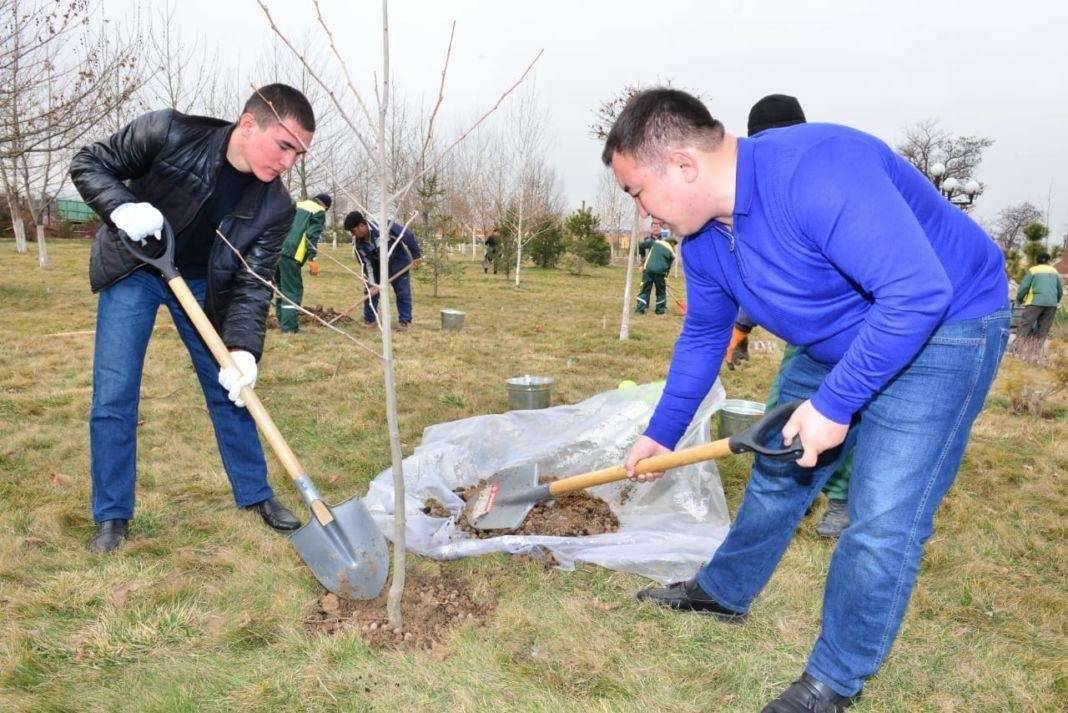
[(667, 529)]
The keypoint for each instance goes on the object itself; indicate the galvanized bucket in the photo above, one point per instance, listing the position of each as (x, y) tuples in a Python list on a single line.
[(529, 392), (452, 319), (736, 415)]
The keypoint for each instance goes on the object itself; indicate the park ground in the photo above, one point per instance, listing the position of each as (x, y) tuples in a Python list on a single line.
[(205, 609)]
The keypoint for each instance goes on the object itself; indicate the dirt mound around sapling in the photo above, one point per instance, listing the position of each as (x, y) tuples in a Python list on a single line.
[(435, 602), (573, 515), (324, 313)]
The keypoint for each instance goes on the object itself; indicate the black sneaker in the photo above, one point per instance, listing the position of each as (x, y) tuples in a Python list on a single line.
[(688, 596), (835, 520), (807, 695)]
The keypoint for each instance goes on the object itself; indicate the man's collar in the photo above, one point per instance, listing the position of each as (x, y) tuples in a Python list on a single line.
[(745, 177)]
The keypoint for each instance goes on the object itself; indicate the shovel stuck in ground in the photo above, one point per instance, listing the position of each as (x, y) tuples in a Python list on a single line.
[(506, 498), (341, 545)]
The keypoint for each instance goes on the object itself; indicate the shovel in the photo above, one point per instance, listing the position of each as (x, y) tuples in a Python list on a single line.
[(341, 545), (507, 497)]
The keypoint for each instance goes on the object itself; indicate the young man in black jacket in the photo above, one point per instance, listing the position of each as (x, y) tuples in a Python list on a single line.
[(202, 175)]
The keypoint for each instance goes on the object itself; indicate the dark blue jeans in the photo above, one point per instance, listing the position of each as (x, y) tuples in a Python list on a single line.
[(126, 312), (402, 289), (909, 440)]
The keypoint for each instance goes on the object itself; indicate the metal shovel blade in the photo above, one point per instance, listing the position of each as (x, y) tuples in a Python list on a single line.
[(506, 498), (348, 555)]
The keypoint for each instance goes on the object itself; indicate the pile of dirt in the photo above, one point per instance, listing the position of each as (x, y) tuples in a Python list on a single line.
[(324, 313), (573, 515), (435, 602)]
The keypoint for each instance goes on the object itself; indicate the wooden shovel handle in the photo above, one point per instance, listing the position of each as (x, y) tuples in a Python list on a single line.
[(664, 461), (222, 355)]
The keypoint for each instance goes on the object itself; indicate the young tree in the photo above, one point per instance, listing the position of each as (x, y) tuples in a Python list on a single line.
[(372, 133), (1008, 226), (605, 117), (1035, 235), (60, 75), (585, 237), (926, 143), (548, 243)]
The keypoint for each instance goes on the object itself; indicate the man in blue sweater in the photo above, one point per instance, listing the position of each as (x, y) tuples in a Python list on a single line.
[(897, 301)]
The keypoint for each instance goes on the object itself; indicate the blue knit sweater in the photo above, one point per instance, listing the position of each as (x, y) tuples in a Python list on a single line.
[(838, 245)]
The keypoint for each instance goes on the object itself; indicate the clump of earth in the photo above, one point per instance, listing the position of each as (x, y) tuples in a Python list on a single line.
[(327, 314), (572, 515), (435, 603)]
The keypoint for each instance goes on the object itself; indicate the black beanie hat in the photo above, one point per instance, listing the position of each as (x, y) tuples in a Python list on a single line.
[(324, 199), (353, 219), (773, 111)]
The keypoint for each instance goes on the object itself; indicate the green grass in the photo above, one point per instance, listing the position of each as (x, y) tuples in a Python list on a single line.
[(203, 610)]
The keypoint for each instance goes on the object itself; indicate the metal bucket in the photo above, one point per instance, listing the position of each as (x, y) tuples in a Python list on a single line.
[(736, 415), (452, 319), (529, 392)]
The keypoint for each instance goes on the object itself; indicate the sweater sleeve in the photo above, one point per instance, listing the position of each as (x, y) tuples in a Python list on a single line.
[(1025, 286), (699, 350), (845, 202)]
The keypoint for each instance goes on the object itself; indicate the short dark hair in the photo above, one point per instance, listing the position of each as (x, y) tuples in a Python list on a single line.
[(354, 219), (1042, 258), (654, 119), (275, 101)]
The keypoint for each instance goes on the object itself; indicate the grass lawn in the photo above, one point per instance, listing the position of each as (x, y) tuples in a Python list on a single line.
[(204, 609)]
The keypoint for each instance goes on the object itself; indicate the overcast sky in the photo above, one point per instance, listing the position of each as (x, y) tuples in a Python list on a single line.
[(995, 69)]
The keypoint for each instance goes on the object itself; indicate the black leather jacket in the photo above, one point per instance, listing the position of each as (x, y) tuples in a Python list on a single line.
[(170, 160)]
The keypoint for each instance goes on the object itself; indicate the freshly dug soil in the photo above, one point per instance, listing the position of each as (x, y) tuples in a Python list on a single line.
[(573, 515), (435, 602), (325, 313)]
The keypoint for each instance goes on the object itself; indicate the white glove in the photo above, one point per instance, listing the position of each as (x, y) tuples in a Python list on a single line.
[(234, 379), (138, 220)]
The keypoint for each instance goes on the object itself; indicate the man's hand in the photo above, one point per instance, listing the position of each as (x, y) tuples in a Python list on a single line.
[(643, 448), (138, 220), (818, 433), (234, 379), (416, 263), (313, 268)]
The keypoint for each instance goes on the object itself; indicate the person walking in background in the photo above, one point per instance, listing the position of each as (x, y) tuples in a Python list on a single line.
[(659, 258), (300, 247), (1039, 293)]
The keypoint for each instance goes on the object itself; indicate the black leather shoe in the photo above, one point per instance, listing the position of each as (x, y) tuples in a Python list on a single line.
[(688, 596), (109, 535), (807, 695), (276, 515)]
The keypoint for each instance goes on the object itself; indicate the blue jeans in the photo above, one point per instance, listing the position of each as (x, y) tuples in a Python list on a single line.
[(909, 440), (402, 289), (126, 313)]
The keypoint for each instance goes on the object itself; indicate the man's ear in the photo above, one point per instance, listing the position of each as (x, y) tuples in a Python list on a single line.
[(685, 162), (246, 121)]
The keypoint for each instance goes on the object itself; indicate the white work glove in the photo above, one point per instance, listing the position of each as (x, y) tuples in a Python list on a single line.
[(234, 379), (138, 220)]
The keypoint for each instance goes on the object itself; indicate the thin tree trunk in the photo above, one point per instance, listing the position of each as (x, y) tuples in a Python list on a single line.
[(16, 223), (624, 322), (396, 588), (42, 249), (519, 243)]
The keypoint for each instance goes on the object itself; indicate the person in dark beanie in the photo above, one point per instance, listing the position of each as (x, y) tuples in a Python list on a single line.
[(402, 259), (204, 176), (300, 247), (773, 112), (898, 302)]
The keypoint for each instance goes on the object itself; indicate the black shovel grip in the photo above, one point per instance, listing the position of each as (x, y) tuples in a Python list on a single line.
[(752, 439), (164, 262)]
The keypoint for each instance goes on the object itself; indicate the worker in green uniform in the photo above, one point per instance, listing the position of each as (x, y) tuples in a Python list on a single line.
[(1039, 293), (658, 260), (300, 247)]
